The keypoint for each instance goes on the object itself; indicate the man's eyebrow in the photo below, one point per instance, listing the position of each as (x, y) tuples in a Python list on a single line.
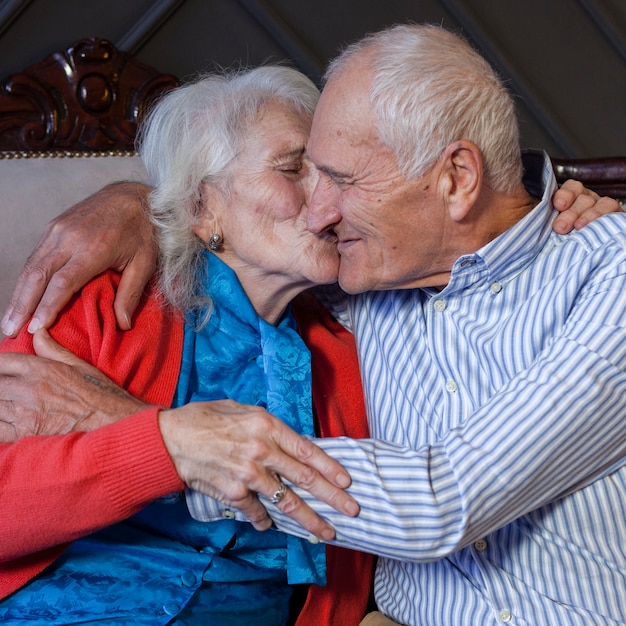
[(329, 171), (326, 169)]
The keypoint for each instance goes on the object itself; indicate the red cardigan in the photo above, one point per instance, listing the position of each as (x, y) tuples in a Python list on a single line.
[(57, 489)]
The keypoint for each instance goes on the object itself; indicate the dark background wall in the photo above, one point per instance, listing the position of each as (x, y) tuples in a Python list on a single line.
[(565, 60)]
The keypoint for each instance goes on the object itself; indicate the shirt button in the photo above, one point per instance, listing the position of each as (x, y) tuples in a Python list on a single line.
[(505, 616), (495, 287), (188, 579), (313, 539), (440, 305), (228, 514), (171, 608), (451, 386), (480, 545)]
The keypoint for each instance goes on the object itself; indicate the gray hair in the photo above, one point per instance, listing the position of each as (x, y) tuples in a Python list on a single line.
[(431, 88), (190, 138)]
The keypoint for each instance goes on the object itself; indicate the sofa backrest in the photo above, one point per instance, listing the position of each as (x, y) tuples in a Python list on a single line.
[(35, 189)]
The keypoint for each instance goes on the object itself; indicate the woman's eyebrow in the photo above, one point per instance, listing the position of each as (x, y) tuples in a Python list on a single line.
[(291, 153)]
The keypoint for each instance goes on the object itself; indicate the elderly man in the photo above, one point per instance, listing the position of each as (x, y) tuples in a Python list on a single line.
[(492, 349)]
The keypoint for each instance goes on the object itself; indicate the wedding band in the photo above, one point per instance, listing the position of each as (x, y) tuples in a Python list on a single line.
[(280, 493)]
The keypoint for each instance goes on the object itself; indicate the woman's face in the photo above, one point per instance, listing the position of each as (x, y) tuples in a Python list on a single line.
[(263, 215)]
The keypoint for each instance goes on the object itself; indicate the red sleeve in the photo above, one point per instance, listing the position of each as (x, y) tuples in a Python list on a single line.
[(55, 489), (144, 360)]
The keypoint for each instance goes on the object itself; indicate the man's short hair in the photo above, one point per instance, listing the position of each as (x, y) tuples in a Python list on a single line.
[(431, 88)]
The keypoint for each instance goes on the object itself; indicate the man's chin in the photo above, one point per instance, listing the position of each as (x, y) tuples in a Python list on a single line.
[(352, 284)]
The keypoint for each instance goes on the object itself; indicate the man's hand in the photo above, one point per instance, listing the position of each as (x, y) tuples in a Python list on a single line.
[(579, 206), (232, 452), (56, 394), (107, 230)]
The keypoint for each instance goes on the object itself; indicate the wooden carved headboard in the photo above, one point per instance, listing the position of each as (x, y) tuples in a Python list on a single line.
[(88, 97), (79, 108)]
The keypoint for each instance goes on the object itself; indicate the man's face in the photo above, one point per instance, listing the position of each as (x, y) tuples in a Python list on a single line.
[(388, 228)]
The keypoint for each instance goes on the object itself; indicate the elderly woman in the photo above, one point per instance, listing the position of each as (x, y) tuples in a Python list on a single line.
[(225, 156)]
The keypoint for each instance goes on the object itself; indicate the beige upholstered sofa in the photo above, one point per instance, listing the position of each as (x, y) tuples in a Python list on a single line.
[(67, 128), (35, 189)]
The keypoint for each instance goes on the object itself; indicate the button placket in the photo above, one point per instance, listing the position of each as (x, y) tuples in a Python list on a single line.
[(439, 305)]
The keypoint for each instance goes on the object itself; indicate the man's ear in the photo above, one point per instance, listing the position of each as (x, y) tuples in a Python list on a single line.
[(461, 177), (208, 219)]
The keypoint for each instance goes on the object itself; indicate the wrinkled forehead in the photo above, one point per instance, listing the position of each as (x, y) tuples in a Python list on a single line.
[(343, 118)]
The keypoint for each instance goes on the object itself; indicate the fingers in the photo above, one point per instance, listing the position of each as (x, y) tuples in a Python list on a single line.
[(108, 229), (48, 280), (567, 193), (132, 284), (31, 287), (293, 506), (48, 348), (579, 206), (277, 449), (233, 452), (252, 505)]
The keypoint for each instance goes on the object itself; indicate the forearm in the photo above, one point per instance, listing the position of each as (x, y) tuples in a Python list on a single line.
[(56, 489), (554, 429)]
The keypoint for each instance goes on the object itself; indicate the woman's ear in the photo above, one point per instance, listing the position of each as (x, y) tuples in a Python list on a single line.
[(208, 220), (462, 178)]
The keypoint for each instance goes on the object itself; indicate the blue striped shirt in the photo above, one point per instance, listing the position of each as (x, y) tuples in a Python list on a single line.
[(493, 486)]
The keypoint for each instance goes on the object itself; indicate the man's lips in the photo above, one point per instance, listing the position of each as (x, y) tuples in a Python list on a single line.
[(344, 244)]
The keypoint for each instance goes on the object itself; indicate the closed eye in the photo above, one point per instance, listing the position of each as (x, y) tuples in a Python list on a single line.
[(336, 178), (292, 169)]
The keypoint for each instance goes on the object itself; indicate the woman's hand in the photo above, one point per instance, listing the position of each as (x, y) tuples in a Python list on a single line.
[(579, 206), (107, 230), (56, 394), (232, 451)]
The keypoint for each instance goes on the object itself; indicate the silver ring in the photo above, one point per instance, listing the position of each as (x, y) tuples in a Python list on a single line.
[(280, 493)]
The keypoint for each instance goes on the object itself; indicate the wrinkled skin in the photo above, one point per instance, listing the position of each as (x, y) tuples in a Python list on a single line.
[(110, 229), (210, 448)]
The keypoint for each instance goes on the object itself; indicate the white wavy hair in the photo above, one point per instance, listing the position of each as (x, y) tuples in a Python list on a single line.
[(190, 138), (431, 88)]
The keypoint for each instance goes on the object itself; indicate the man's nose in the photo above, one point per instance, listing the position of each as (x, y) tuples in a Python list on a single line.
[(323, 211)]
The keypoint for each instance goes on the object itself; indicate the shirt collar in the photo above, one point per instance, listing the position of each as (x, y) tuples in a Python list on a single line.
[(508, 253)]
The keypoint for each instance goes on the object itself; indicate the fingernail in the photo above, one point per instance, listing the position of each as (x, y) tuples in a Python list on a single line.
[(8, 327), (34, 326), (328, 534), (352, 508), (343, 480)]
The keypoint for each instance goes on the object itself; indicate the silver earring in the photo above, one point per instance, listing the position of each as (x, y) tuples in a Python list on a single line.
[(215, 242)]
